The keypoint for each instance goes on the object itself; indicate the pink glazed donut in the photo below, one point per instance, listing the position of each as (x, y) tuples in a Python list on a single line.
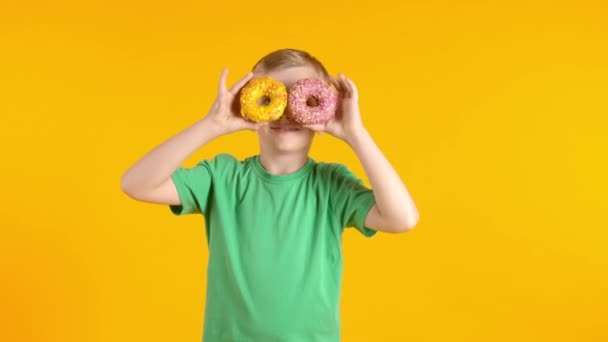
[(312, 90)]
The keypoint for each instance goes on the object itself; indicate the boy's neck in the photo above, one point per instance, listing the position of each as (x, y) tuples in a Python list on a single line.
[(283, 163)]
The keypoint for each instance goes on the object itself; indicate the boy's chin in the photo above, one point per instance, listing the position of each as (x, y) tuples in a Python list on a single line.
[(294, 140), (287, 147)]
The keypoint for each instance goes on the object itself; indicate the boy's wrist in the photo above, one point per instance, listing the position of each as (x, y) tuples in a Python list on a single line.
[(211, 126), (356, 136)]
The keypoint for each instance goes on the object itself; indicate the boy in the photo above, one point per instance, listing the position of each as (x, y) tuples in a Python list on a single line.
[(274, 221)]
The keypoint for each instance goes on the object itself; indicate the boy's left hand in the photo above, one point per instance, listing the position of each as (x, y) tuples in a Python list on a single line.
[(347, 122)]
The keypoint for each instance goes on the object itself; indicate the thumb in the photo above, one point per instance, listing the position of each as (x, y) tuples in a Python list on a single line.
[(255, 126), (316, 127)]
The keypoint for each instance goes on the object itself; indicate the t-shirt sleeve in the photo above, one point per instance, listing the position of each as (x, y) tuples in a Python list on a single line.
[(195, 184), (352, 200)]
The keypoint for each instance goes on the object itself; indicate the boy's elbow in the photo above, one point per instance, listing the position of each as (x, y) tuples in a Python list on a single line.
[(125, 187), (123, 184), (402, 229), (406, 225)]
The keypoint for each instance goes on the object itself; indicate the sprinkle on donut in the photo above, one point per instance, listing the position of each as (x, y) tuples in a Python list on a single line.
[(263, 99), (312, 101)]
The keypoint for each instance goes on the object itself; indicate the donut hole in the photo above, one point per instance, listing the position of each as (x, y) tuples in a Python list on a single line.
[(264, 100), (312, 102)]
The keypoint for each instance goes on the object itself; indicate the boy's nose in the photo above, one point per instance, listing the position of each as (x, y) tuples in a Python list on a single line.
[(286, 117)]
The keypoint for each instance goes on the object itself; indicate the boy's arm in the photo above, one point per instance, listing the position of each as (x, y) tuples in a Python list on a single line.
[(149, 179), (394, 210)]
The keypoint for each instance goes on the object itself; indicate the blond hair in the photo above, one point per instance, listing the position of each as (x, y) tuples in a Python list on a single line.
[(285, 58)]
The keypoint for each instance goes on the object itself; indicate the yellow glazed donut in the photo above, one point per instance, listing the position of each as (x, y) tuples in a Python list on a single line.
[(263, 99)]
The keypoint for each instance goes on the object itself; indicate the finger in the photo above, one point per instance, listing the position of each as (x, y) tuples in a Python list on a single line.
[(238, 85), (352, 87), (259, 125), (337, 87), (222, 85), (336, 84), (316, 127), (333, 80), (254, 126), (343, 84)]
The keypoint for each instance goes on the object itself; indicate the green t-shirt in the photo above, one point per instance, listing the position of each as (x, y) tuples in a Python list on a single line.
[(275, 246)]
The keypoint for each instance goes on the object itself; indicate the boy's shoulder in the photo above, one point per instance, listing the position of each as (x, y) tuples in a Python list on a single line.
[(332, 167), (220, 161), (224, 158)]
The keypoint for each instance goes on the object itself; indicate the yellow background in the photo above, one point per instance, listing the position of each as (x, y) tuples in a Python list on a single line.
[(494, 114)]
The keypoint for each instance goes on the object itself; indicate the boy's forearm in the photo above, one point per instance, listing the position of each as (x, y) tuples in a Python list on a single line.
[(157, 165), (392, 198)]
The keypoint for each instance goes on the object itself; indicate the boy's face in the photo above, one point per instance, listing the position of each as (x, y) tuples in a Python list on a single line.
[(285, 135)]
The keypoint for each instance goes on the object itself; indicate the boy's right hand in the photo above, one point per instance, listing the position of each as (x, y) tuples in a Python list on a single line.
[(225, 112)]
